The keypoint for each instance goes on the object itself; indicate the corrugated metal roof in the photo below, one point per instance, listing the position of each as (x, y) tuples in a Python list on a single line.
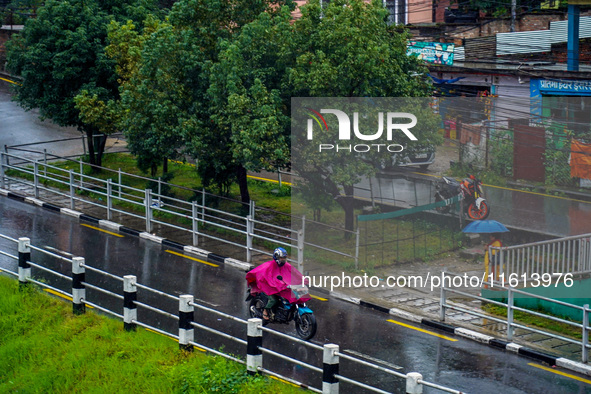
[(523, 42), (559, 29), (458, 53), (539, 40)]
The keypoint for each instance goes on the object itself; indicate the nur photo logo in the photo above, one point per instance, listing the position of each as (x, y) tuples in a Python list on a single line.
[(348, 131)]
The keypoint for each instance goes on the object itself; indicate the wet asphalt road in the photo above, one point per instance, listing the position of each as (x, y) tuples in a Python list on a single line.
[(457, 363)]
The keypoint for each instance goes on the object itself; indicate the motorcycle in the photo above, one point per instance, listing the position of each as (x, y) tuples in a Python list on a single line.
[(285, 311), (470, 188)]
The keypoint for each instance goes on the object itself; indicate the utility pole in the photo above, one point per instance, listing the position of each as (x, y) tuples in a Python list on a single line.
[(513, 12), (574, 13)]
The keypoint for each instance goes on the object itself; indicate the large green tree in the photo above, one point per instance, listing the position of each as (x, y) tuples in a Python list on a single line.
[(247, 103), (61, 53), (166, 106)]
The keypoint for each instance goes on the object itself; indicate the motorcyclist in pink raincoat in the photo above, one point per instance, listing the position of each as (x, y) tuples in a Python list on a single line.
[(264, 279)]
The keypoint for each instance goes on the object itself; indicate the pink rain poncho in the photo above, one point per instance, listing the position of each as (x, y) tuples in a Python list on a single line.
[(264, 279)]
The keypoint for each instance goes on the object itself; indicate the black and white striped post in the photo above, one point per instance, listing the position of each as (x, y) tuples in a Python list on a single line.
[(330, 368), (413, 384), (254, 342), (24, 256), (78, 288), (129, 299), (186, 331)]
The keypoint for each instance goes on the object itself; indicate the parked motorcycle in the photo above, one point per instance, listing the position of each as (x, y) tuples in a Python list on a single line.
[(471, 189), (287, 310)]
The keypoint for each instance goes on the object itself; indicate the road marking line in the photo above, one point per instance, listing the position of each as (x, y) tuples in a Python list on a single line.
[(8, 80), (171, 338), (283, 381), (191, 258), (267, 180), (424, 331), (319, 298), (59, 251), (65, 297), (559, 373), (55, 293), (376, 360), (100, 229)]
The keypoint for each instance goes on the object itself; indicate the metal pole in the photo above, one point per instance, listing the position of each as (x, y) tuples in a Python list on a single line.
[(159, 191), (148, 201), (442, 299), (186, 317), (510, 300), (45, 162), (7, 158), (195, 224), (109, 199), (72, 204), (301, 251), (24, 255), (585, 340), (254, 343), (36, 178), (357, 248), (249, 226), (330, 368), (572, 60), (513, 9), (81, 172), (129, 306), (78, 288), (2, 158), (119, 178), (373, 203), (203, 205), (413, 384)]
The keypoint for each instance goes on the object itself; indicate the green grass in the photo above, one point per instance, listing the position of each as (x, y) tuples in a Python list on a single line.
[(44, 347), (536, 321)]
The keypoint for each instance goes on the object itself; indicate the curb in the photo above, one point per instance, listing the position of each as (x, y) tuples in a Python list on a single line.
[(550, 359), (497, 343)]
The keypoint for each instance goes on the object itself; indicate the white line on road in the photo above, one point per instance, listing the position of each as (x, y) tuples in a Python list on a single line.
[(376, 360)]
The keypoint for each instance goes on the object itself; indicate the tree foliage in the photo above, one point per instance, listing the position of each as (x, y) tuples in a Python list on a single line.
[(61, 53)]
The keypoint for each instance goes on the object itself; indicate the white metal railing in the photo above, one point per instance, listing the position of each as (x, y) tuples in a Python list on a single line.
[(116, 197), (558, 256), (255, 349), (511, 308)]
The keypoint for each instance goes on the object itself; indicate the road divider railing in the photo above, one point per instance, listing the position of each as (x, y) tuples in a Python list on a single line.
[(154, 207), (238, 224), (510, 321), (330, 373)]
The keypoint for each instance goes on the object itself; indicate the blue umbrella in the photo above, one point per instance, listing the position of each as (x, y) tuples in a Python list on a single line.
[(485, 226)]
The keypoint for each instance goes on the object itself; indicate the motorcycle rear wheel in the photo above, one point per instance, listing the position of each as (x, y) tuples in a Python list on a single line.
[(256, 307), (306, 326), (478, 214)]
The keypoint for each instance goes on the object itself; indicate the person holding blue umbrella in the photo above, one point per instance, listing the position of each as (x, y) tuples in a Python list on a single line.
[(490, 262)]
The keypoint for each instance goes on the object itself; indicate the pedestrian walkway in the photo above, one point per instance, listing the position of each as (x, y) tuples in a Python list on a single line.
[(419, 304)]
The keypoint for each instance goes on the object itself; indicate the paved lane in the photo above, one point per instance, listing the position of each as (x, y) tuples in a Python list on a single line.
[(450, 361)]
